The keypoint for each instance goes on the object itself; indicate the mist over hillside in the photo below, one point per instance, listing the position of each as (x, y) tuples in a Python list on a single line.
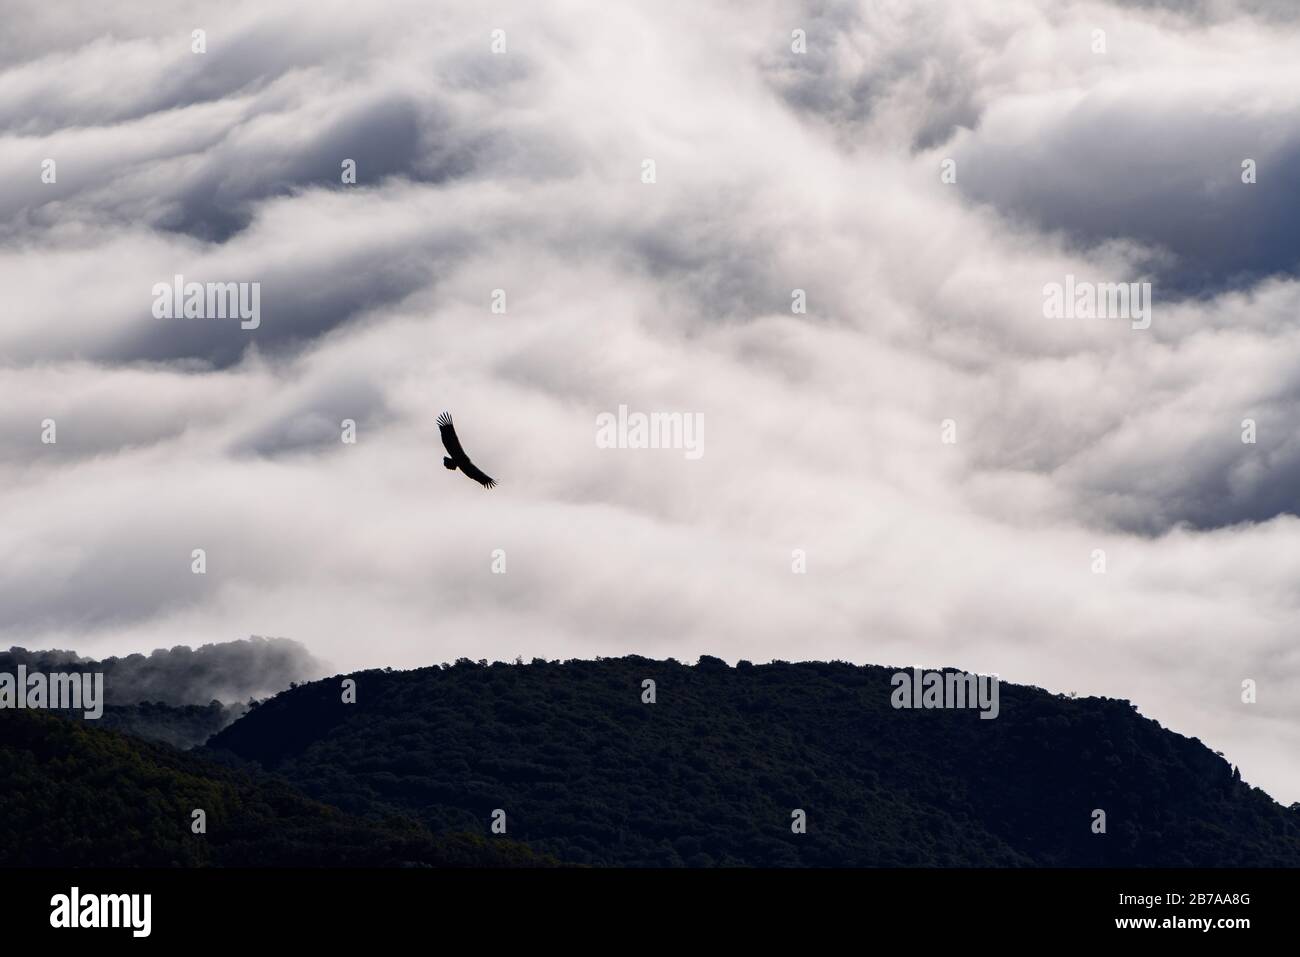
[(228, 671), (180, 696)]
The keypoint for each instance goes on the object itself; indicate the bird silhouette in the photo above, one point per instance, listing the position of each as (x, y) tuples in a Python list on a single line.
[(456, 457)]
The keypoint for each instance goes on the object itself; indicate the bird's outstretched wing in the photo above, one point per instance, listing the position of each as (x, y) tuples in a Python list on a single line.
[(449, 440), (457, 453), (477, 474)]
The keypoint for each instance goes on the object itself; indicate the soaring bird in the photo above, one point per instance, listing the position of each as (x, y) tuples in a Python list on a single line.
[(456, 457)]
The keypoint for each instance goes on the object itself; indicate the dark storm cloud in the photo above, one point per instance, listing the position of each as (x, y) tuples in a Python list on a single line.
[(391, 136), (1196, 470), (1168, 176), (212, 193), (296, 306)]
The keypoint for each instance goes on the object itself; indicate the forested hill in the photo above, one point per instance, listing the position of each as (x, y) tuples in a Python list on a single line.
[(73, 794), (714, 770)]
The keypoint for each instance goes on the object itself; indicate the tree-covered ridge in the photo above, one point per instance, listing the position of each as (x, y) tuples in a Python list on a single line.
[(181, 726), (72, 794), (710, 773)]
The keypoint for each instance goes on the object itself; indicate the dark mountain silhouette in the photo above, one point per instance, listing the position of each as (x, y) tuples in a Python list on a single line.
[(711, 772), (72, 794)]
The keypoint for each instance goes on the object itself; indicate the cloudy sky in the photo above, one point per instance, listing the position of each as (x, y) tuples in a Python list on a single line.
[(774, 170)]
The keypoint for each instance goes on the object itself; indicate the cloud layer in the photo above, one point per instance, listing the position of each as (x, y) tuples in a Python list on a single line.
[(775, 171)]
